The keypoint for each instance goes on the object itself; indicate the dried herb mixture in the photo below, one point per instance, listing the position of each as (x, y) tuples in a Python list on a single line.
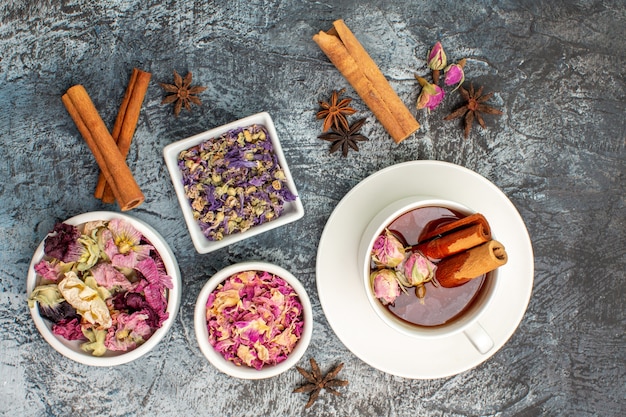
[(234, 182)]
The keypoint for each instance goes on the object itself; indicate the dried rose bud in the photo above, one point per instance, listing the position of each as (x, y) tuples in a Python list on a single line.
[(454, 74), (385, 285), (431, 95), (417, 269), (437, 57), (387, 251)]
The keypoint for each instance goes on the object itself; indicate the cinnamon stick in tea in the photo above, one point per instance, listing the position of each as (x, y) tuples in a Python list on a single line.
[(460, 268), (455, 237), (352, 60), (125, 124), (109, 159)]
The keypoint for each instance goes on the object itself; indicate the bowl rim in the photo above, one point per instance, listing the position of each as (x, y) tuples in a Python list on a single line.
[(375, 227), (293, 210), (245, 372), (71, 349)]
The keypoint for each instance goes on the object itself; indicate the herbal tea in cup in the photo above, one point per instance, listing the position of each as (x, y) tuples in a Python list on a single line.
[(429, 268)]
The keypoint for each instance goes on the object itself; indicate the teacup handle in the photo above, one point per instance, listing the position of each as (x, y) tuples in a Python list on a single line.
[(479, 338)]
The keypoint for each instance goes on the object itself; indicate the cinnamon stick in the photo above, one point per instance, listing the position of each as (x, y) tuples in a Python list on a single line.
[(455, 237), (109, 159), (125, 124), (352, 60), (460, 268)]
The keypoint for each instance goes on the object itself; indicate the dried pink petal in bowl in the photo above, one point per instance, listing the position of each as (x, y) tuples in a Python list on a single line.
[(254, 318)]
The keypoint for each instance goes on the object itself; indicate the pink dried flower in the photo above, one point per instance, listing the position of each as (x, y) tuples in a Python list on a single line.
[(69, 328), (154, 273), (387, 250), (431, 95), (385, 285), (454, 74), (52, 271), (437, 57), (109, 277), (130, 331), (436, 61), (416, 270), (123, 244)]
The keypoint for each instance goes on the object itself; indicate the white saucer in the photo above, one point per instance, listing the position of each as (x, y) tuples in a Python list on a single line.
[(340, 286)]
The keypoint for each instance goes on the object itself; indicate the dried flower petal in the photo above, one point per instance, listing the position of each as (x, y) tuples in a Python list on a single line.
[(69, 328), (109, 277), (89, 255), (62, 243), (51, 303), (85, 300), (130, 330), (51, 271), (123, 244), (96, 338)]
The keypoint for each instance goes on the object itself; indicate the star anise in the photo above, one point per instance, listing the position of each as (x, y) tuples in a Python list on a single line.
[(334, 111), (345, 137), (183, 93), (318, 382), (473, 108)]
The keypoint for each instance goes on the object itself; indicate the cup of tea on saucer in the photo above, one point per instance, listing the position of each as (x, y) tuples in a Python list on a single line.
[(430, 268)]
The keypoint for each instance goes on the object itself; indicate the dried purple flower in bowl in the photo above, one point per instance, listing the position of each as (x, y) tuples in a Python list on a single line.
[(233, 182)]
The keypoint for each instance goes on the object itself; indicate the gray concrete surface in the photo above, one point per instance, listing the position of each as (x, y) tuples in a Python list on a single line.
[(558, 152)]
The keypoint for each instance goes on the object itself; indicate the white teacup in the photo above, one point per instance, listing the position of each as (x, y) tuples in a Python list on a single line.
[(469, 322)]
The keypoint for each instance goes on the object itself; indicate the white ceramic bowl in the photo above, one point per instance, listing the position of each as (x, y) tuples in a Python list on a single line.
[(468, 322), (71, 349), (216, 358), (293, 210)]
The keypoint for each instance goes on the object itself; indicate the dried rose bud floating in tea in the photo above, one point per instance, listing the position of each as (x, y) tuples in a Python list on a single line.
[(234, 182), (254, 318)]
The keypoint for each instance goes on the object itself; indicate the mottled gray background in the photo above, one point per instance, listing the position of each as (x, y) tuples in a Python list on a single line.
[(558, 152)]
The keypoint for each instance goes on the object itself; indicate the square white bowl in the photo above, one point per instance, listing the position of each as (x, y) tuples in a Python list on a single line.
[(292, 210)]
